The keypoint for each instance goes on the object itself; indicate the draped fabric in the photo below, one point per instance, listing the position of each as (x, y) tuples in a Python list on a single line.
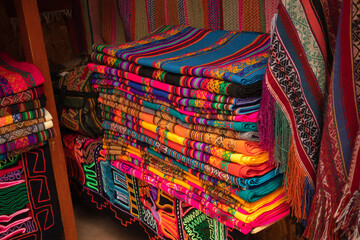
[(140, 18), (295, 79), (337, 178), (310, 100)]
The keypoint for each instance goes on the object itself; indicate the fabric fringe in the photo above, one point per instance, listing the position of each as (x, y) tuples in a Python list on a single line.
[(321, 223), (56, 16), (48, 17), (308, 194), (282, 138), (348, 216), (266, 121), (295, 185)]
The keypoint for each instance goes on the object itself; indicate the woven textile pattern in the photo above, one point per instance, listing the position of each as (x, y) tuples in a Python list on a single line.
[(29, 205)]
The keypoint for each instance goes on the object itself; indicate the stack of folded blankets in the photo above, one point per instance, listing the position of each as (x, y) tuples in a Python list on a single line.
[(24, 122), (180, 111), (27, 189)]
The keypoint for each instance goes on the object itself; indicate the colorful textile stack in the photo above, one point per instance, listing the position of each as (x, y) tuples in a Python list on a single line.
[(134, 203), (24, 121), (28, 200), (180, 110)]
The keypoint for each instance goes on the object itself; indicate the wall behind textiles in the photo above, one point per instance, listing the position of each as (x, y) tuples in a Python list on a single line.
[(117, 21), (71, 27)]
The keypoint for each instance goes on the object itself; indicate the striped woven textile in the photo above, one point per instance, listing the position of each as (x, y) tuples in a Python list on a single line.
[(293, 99), (169, 120), (309, 114), (339, 161), (120, 21), (142, 17), (100, 22)]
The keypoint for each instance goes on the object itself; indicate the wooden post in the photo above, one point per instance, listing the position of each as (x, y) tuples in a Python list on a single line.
[(35, 52)]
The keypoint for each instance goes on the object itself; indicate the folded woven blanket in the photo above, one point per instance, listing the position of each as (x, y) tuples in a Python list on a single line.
[(230, 56), (10, 136), (24, 106), (25, 96), (16, 76), (23, 116)]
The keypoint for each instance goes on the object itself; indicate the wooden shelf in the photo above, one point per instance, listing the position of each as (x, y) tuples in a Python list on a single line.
[(34, 49)]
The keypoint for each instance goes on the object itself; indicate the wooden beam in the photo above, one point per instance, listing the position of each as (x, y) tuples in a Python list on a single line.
[(35, 52)]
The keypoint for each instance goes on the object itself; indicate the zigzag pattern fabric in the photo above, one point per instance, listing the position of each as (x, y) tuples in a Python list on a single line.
[(179, 112)]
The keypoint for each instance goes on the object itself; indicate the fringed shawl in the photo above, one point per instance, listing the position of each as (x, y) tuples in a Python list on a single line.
[(339, 163), (293, 95), (310, 119)]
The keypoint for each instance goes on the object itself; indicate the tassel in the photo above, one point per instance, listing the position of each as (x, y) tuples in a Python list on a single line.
[(321, 223), (295, 185), (282, 139), (266, 121), (308, 194), (348, 218)]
